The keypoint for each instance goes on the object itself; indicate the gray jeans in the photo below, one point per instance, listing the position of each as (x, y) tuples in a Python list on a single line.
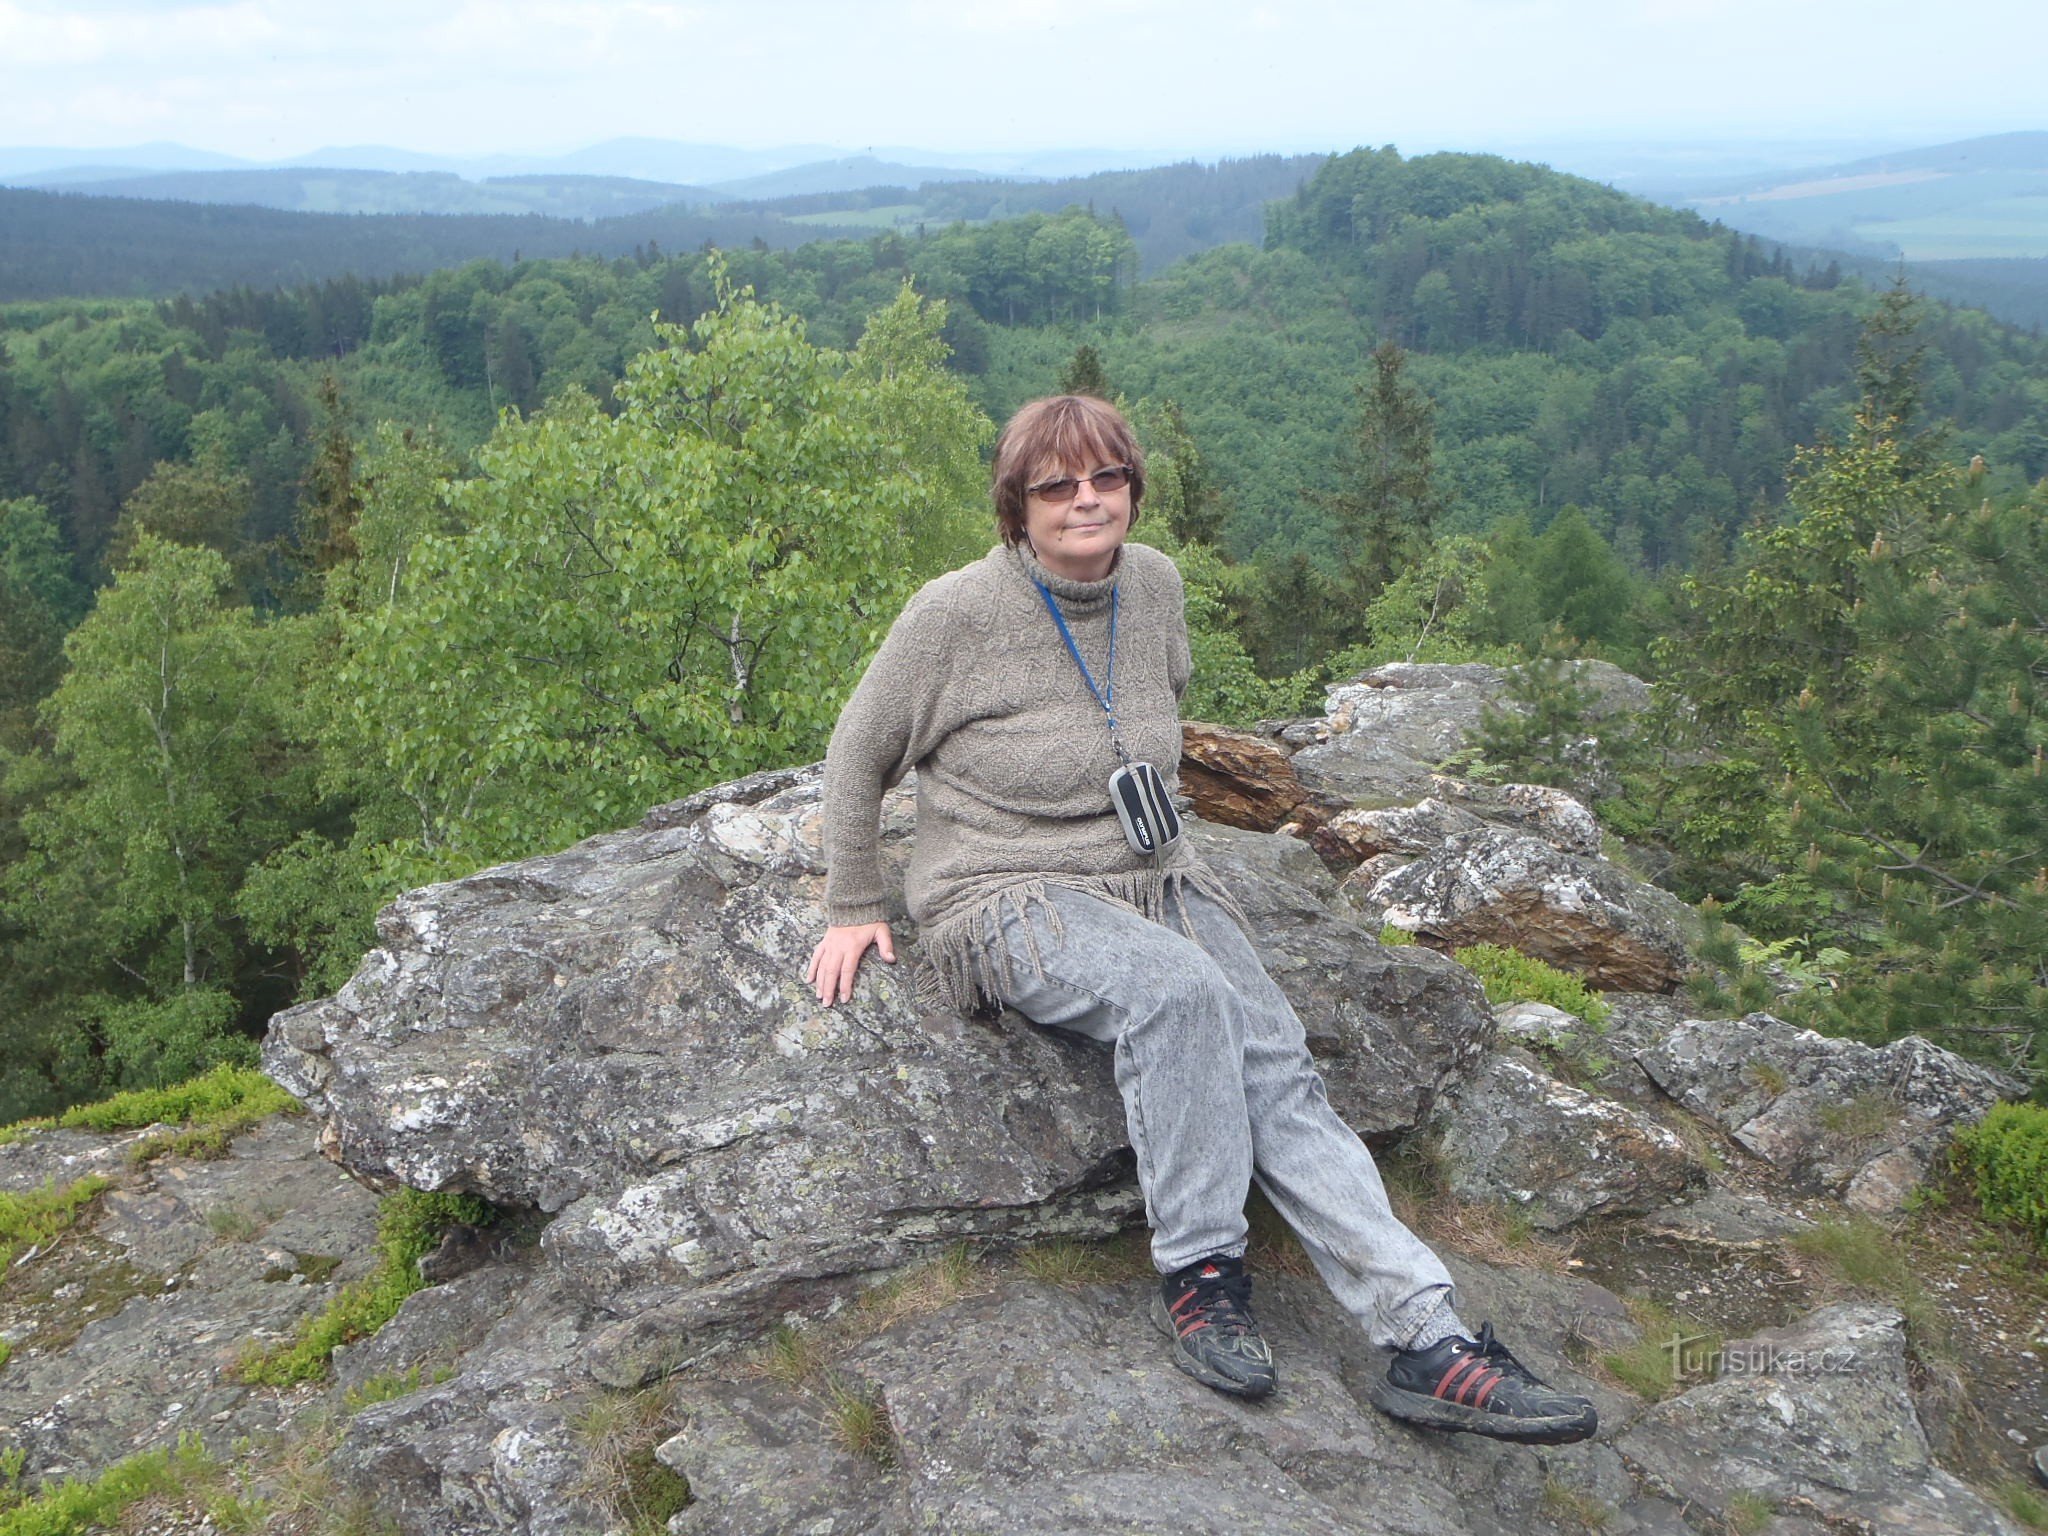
[(1219, 1089)]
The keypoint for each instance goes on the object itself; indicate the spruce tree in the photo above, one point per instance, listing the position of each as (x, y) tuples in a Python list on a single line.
[(1389, 503)]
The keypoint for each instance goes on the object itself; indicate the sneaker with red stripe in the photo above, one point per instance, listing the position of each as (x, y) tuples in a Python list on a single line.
[(1206, 1309), (1478, 1386)]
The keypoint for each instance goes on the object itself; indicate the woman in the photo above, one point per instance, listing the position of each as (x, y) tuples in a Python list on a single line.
[(1016, 687)]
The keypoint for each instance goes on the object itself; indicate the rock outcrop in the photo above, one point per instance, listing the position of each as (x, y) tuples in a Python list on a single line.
[(1516, 1135), (619, 1036), (1384, 734), (615, 1041), (1493, 886), (1861, 1122), (1236, 779), (1813, 1425)]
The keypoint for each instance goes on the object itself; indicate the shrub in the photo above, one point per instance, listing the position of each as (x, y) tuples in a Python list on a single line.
[(2008, 1153), (1510, 976)]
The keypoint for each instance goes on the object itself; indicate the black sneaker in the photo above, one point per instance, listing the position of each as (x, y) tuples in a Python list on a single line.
[(1478, 1386), (1206, 1310)]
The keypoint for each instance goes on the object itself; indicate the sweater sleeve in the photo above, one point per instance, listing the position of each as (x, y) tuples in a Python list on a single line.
[(1179, 661), (893, 720)]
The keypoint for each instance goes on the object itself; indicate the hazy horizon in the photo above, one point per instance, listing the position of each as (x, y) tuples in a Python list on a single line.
[(268, 80)]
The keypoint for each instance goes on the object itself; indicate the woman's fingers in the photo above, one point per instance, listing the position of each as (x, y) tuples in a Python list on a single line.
[(836, 961)]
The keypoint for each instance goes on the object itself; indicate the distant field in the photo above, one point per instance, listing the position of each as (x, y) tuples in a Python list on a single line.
[(892, 216), (2010, 226), (1924, 215), (1826, 188)]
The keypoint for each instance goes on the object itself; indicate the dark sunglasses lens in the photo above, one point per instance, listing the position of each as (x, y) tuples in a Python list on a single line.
[(1114, 479), (1058, 490)]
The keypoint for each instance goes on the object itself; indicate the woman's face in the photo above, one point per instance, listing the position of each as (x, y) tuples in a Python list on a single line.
[(1078, 539)]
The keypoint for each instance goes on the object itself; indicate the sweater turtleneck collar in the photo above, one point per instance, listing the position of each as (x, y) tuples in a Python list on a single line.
[(1074, 596)]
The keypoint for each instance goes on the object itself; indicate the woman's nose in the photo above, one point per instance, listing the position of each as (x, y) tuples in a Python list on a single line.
[(1085, 494)]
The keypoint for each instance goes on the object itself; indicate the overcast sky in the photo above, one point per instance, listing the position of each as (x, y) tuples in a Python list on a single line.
[(271, 78)]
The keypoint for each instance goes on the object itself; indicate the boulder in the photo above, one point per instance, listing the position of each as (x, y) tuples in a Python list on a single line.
[(1236, 779), (1494, 886), (1815, 1423), (1514, 1134), (1558, 817), (1858, 1121), (1384, 733), (619, 1035), (1351, 837)]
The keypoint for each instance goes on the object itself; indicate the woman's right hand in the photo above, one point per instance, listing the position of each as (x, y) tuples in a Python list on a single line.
[(837, 958)]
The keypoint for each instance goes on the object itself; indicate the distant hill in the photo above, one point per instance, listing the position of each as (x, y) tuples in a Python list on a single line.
[(318, 189), (61, 245), (1973, 199), (1170, 210), (849, 175), (640, 159)]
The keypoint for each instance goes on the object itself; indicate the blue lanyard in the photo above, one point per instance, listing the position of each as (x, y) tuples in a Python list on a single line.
[(1106, 694)]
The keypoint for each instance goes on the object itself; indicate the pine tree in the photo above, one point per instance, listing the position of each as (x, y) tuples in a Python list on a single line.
[(1388, 507), (1083, 374)]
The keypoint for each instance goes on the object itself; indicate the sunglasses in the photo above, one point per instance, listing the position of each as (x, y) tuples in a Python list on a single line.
[(1113, 478)]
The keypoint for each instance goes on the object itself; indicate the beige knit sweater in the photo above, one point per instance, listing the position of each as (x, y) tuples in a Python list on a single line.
[(975, 689)]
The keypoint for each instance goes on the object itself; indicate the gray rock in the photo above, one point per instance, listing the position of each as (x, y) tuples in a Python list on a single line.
[(492, 1450), (1036, 1410), (1559, 818), (1858, 1121), (1537, 1023), (1494, 886), (1514, 1134), (125, 1332), (1357, 835), (619, 1035), (1730, 1220), (1816, 1419), (1383, 735)]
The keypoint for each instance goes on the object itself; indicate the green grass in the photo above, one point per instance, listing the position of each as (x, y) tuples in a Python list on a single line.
[(41, 1216), (409, 1227), (1570, 1506), (1510, 976), (72, 1507), (1747, 1513), (2024, 1504), (1650, 1368), (1770, 1078), (1868, 1259), (214, 1106), (391, 1386), (1069, 1264), (860, 1424), (619, 1433), (1863, 1118)]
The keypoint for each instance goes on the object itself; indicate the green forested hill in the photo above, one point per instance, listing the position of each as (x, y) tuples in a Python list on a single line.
[(1582, 348), (308, 594)]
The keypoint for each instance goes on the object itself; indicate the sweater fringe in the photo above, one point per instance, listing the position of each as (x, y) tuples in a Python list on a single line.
[(968, 957)]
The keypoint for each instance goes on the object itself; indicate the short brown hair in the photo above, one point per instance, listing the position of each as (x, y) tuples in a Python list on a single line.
[(1067, 431)]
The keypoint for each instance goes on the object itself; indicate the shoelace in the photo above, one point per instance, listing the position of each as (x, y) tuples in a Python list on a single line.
[(1214, 1300), (1472, 1377)]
